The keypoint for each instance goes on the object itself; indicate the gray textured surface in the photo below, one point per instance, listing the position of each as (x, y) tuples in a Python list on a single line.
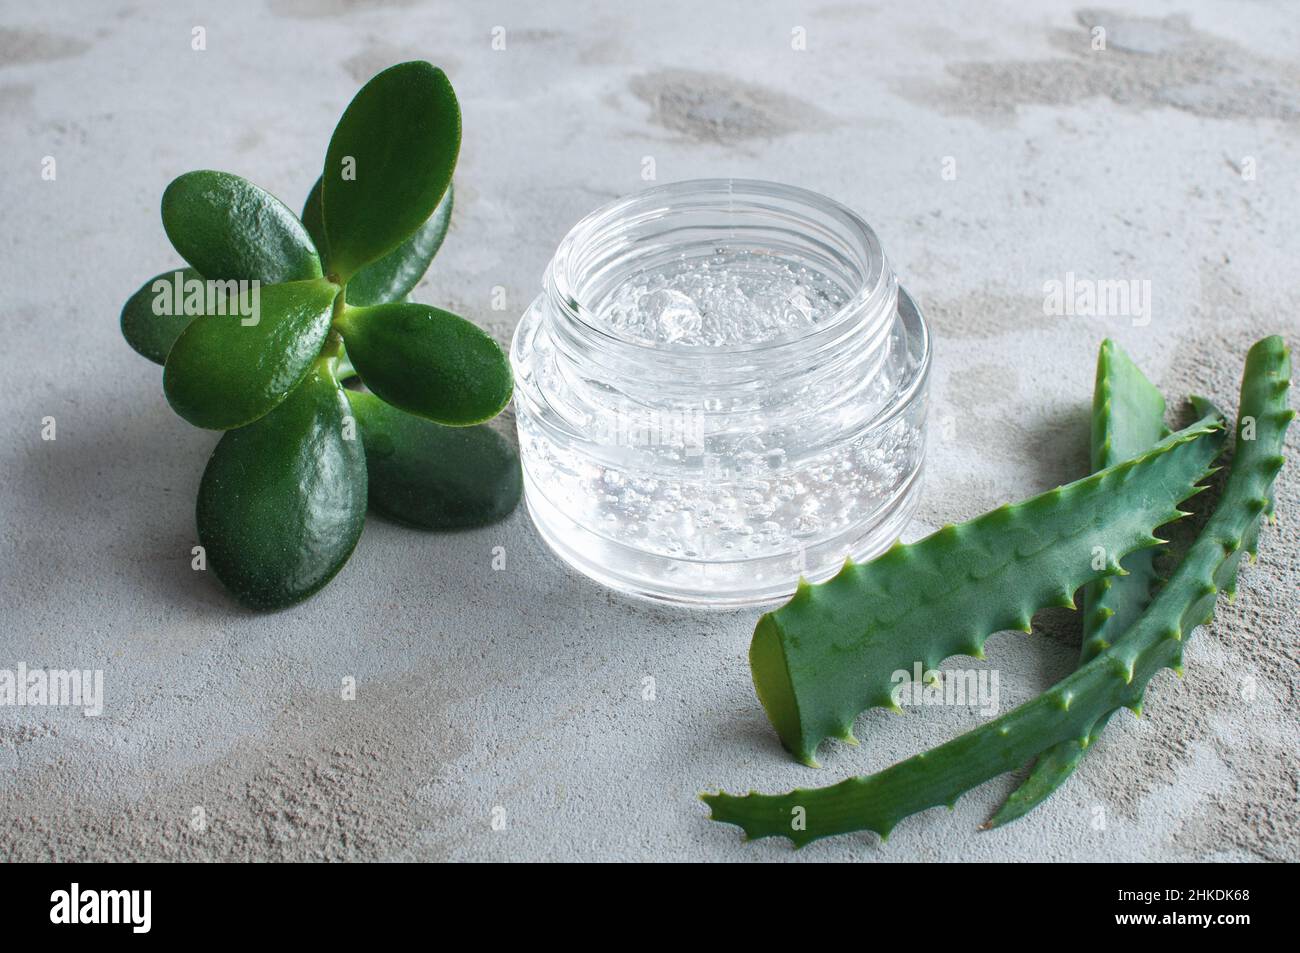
[(522, 689)]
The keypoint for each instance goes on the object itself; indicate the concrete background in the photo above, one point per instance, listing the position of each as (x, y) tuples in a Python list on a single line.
[(521, 690)]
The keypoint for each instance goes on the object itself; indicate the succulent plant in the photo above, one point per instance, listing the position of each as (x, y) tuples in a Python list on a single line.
[(828, 654), (1115, 677), (274, 313), (1128, 417)]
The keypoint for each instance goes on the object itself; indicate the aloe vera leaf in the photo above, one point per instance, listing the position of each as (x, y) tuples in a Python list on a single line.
[(828, 654), (1116, 677), (1128, 417)]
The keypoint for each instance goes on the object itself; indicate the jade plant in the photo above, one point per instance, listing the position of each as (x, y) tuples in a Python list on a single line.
[(915, 594), (274, 314)]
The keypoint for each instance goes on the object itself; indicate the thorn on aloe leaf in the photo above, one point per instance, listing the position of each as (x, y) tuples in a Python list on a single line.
[(802, 590), (1097, 644), (1123, 668)]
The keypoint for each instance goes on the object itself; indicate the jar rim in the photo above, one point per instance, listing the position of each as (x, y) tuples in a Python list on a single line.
[(876, 293)]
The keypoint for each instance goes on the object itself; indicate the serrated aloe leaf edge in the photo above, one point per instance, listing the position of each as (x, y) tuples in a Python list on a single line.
[(1115, 678), (826, 656), (1128, 417)]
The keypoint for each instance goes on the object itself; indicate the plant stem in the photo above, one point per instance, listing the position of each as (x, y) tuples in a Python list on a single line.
[(334, 352), (331, 353)]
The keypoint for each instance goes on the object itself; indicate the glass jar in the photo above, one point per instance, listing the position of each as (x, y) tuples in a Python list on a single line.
[(721, 388)]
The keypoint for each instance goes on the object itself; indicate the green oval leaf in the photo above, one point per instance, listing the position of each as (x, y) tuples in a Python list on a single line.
[(229, 229), (315, 224), (149, 323), (435, 477), (224, 373), (388, 164), (283, 500), (428, 361), (392, 277)]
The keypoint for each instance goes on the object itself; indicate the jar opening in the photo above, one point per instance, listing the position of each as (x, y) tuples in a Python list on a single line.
[(721, 265)]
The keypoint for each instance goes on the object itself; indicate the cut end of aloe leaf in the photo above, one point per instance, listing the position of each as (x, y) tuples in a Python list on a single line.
[(771, 673)]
